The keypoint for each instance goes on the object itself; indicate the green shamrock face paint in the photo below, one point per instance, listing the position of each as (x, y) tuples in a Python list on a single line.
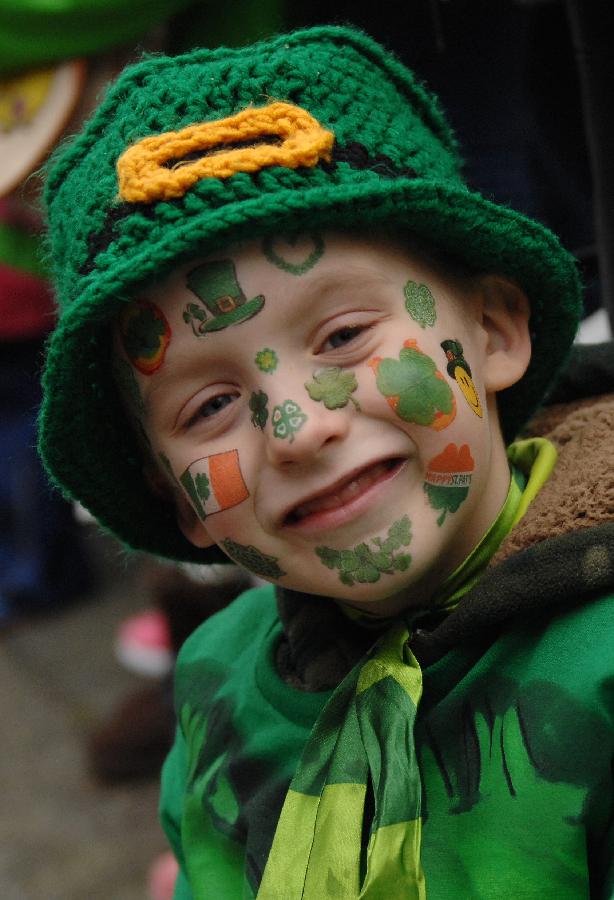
[(414, 387), (286, 255), (267, 360), (287, 419), (258, 405), (366, 565), (420, 304), (223, 302), (253, 559), (334, 387)]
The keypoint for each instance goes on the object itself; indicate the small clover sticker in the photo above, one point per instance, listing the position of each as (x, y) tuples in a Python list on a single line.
[(334, 387), (420, 304), (287, 419), (267, 360)]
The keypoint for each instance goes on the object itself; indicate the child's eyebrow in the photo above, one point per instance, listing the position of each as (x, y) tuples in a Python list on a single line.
[(360, 280)]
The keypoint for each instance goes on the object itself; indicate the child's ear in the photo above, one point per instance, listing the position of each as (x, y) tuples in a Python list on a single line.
[(505, 319), (189, 524)]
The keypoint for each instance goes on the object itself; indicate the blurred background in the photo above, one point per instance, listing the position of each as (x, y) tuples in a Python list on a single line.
[(88, 634)]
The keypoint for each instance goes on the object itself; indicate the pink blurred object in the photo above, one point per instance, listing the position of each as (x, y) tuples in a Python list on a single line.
[(162, 877), (143, 644)]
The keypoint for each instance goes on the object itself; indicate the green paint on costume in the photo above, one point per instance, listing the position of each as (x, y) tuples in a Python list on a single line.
[(287, 419), (334, 387), (223, 302), (273, 248), (420, 303), (267, 360), (416, 389), (253, 559), (258, 405), (364, 564), (223, 800)]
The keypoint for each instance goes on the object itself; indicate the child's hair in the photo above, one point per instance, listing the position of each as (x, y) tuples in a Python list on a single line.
[(188, 154)]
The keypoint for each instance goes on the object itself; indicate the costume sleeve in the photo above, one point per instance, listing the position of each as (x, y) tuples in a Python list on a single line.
[(171, 804)]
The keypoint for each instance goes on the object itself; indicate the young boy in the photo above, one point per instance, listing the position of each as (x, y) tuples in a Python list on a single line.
[(293, 338)]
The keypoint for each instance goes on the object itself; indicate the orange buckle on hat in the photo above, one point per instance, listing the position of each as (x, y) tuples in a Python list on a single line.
[(280, 134)]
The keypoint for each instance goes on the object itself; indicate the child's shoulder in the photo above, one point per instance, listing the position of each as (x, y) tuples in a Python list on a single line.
[(243, 624)]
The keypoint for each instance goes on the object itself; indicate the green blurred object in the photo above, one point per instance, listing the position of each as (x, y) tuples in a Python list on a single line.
[(37, 32)]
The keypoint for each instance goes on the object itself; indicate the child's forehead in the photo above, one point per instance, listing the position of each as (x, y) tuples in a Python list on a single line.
[(291, 261)]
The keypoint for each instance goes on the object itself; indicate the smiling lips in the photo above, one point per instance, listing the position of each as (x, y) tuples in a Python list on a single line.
[(345, 492)]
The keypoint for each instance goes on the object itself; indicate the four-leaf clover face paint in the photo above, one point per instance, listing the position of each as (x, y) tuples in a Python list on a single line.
[(302, 415)]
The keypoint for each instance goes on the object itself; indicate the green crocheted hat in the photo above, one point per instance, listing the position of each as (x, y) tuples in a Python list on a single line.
[(318, 129)]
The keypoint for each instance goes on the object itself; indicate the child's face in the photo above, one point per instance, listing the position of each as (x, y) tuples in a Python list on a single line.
[(321, 408)]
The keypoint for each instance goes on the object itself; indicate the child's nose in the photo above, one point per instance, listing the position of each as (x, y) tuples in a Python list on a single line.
[(297, 432)]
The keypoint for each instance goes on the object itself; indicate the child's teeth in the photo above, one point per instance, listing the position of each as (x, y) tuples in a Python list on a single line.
[(344, 495)]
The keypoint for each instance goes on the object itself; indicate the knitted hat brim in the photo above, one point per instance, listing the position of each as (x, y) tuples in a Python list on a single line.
[(81, 397)]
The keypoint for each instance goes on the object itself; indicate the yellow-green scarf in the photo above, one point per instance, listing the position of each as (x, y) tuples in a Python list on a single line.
[(363, 740)]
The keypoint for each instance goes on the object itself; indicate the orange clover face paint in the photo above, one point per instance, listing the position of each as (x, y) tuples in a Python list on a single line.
[(448, 479), (214, 483), (145, 335), (414, 387)]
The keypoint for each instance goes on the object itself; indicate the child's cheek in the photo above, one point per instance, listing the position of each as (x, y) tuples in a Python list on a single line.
[(214, 483)]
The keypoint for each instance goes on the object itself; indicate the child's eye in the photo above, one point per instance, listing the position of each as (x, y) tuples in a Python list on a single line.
[(342, 337), (211, 407)]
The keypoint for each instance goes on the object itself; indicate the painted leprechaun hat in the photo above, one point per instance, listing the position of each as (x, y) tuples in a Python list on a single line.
[(215, 283), (317, 129), (454, 355)]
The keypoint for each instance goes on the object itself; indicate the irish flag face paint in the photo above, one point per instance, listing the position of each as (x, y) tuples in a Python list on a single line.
[(214, 483)]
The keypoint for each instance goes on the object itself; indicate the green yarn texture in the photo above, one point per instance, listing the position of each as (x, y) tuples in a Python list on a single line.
[(394, 164)]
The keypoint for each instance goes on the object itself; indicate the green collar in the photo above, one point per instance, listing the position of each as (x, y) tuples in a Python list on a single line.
[(531, 463)]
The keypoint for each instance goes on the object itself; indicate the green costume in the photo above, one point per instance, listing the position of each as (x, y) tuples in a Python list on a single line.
[(513, 734)]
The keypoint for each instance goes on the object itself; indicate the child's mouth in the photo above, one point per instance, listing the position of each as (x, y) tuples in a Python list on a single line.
[(344, 493)]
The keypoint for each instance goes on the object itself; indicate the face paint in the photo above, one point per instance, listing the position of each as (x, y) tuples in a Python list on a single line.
[(223, 302), (278, 249), (448, 478), (267, 360), (420, 304), (414, 387), (260, 413), (214, 483), (287, 419), (458, 368), (145, 335), (253, 559), (364, 564), (334, 387)]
